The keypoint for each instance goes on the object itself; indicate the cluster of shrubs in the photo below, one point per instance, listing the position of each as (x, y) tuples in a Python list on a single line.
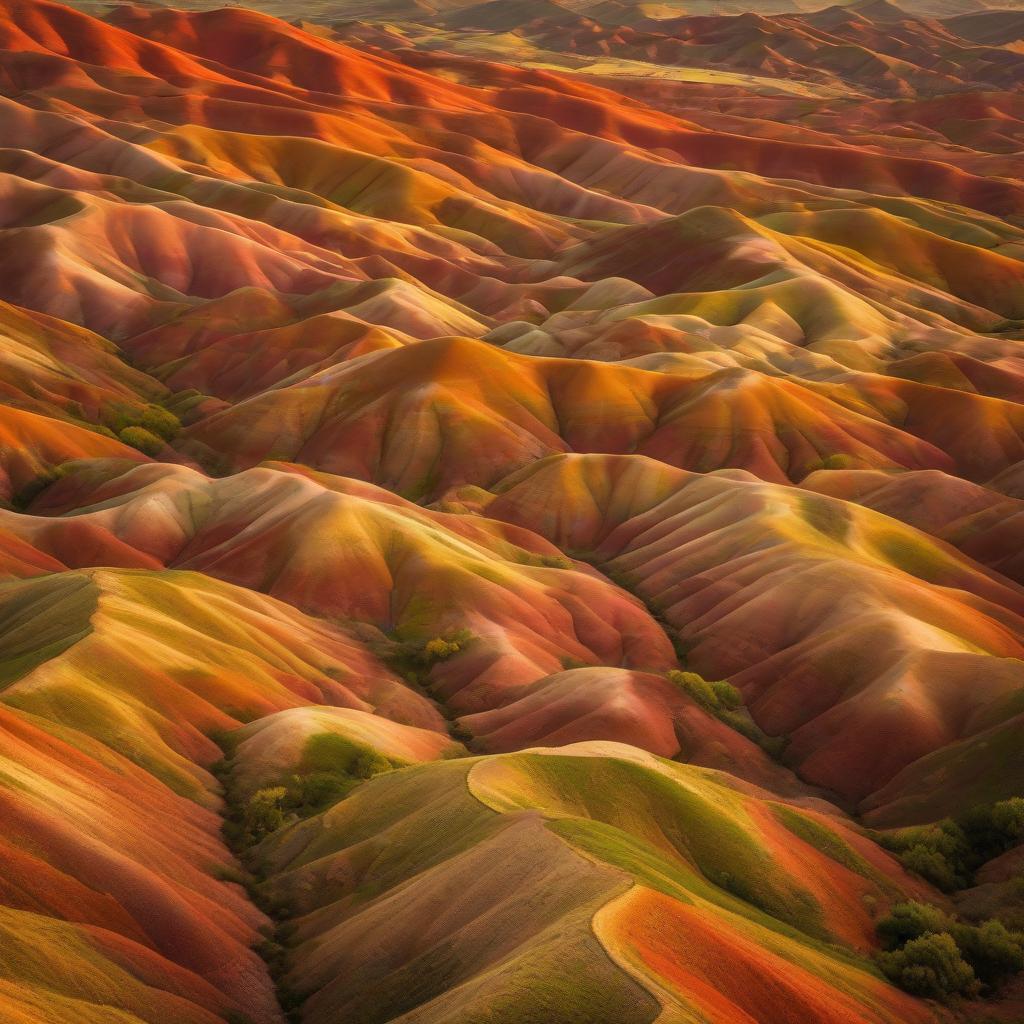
[(949, 852), (934, 956), (331, 768), (414, 659), (146, 428), (718, 696), (725, 702)]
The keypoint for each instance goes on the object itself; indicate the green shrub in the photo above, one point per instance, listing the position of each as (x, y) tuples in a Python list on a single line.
[(932, 866), (909, 921), (158, 420), (555, 562), (727, 695), (310, 793), (263, 813), (994, 952), (438, 649), (369, 763), (695, 686), (725, 702), (931, 967), (33, 488), (992, 829), (142, 440), (568, 662), (949, 852), (1008, 817), (411, 658), (97, 428), (991, 951)]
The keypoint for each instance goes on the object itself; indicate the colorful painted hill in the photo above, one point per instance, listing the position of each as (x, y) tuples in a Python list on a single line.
[(511, 513)]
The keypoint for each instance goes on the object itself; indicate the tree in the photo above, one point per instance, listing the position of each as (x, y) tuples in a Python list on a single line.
[(264, 812), (931, 967), (931, 865), (994, 952)]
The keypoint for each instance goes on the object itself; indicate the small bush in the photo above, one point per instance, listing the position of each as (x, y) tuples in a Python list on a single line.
[(909, 921), (157, 420), (994, 952), (369, 763), (991, 829), (228, 873), (725, 702), (412, 658), (555, 562), (932, 866), (263, 813), (569, 662), (1008, 817), (315, 791), (695, 686), (439, 649), (142, 440), (33, 488), (931, 967), (154, 418), (727, 695)]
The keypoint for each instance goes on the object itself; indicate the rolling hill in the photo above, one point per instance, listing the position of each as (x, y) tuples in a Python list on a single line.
[(511, 512)]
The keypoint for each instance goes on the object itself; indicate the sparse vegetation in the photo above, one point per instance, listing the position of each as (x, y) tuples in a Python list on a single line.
[(413, 659), (459, 732), (29, 491), (725, 702), (438, 649), (331, 766), (160, 421)]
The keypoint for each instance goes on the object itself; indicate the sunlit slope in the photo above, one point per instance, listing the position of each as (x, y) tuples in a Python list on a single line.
[(471, 413), (114, 897), (112, 894), (230, 656), (64, 392), (532, 902), (905, 645), (525, 619), (110, 905), (771, 587), (456, 221), (348, 550), (980, 521), (271, 749), (862, 49)]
